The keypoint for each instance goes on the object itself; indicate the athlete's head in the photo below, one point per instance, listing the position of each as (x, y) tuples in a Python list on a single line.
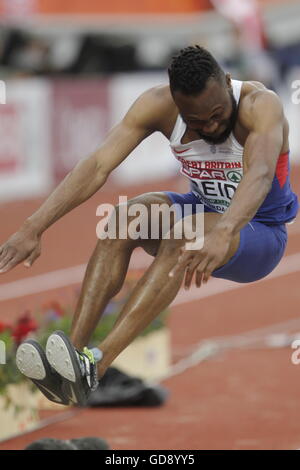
[(203, 94)]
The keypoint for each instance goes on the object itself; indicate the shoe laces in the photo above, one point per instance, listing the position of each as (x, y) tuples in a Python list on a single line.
[(89, 354)]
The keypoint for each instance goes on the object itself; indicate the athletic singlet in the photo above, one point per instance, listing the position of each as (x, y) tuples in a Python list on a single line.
[(216, 170)]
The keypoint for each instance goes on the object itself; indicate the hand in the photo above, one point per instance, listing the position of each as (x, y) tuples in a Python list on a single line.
[(22, 245), (202, 261)]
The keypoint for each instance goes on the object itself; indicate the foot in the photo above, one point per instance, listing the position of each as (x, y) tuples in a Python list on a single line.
[(77, 369), (31, 361)]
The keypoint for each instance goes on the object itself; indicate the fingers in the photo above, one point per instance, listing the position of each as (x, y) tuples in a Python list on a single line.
[(5, 257), (181, 263), (9, 261), (10, 256), (199, 278), (3, 254), (189, 261), (31, 259), (188, 277), (202, 270), (207, 273), (193, 263), (11, 264)]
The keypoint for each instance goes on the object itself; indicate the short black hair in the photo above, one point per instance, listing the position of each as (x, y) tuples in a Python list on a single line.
[(191, 69)]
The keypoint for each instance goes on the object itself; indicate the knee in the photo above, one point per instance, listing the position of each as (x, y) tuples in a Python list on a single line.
[(170, 247), (132, 220)]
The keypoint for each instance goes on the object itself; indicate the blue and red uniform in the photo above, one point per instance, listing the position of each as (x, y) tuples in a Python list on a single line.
[(263, 240), (214, 172)]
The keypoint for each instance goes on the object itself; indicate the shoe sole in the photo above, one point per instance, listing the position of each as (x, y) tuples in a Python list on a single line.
[(29, 362), (32, 362), (62, 356)]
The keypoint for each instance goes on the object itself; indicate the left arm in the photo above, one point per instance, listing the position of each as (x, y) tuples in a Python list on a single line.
[(265, 121), (261, 152)]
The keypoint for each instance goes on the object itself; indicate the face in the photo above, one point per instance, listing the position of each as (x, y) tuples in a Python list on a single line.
[(211, 114)]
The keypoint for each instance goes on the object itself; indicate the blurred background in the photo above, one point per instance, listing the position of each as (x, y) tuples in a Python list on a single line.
[(73, 68), (70, 69)]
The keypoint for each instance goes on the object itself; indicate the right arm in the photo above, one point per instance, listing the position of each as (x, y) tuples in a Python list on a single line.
[(88, 176)]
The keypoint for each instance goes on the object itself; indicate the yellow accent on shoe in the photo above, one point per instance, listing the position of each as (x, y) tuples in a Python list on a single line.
[(89, 354)]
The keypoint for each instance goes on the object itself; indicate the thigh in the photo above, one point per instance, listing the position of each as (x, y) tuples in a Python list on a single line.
[(260, 249), (153, 205), (183, 204), (197, 228), (254, 252)]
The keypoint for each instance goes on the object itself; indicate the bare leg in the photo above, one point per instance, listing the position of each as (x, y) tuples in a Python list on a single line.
[(153, 293), (105, 275), (104, 278)]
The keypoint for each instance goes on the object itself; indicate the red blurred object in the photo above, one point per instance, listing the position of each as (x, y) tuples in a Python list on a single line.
[(5, 327), (25, 325)]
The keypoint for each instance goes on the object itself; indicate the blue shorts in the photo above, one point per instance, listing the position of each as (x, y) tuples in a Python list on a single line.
[(260, 250)]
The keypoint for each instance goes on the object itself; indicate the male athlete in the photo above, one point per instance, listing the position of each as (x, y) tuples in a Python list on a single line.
[(231, 138)]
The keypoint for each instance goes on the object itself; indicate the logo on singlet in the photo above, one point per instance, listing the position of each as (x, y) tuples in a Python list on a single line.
[(181, 151), (234, 176)]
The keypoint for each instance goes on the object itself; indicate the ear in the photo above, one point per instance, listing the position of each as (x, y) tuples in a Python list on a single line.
[(228, 80)]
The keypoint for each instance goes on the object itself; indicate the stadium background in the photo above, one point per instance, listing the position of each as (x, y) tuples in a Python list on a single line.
[(71, 70)]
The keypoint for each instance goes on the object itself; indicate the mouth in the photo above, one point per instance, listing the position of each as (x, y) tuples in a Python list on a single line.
[(212, 136), (215, 135)]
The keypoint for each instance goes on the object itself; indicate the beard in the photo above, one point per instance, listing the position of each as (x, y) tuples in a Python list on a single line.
[(220, 139)]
